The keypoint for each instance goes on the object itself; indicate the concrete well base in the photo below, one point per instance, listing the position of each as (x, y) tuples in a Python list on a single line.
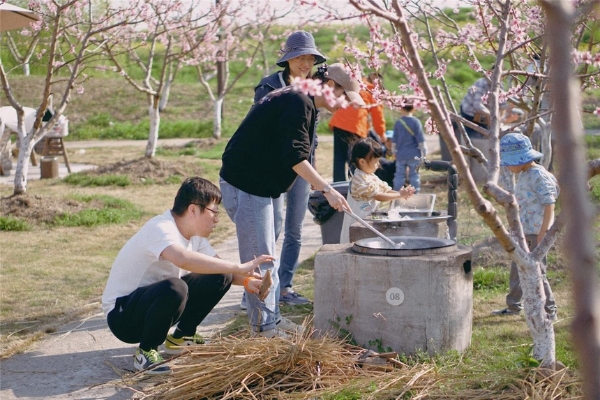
[(406, 304)]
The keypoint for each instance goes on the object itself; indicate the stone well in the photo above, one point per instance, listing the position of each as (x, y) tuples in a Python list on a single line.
[(417, 299)]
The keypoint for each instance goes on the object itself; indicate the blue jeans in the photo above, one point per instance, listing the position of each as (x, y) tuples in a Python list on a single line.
[(254, 218), (278, 215), (295, 211), (413, 174)]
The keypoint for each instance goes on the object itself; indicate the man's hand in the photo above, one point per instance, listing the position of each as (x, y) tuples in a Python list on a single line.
[(253, 285)]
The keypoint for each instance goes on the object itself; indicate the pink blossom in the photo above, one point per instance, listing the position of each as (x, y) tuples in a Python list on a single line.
[(431, 127), (441, 71), (313, 87), (597, 111)]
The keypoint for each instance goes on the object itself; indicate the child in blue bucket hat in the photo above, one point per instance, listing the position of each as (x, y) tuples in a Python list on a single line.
[(536, 192)]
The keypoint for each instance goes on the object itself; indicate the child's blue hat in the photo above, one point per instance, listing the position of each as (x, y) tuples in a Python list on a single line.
[(516, 149)]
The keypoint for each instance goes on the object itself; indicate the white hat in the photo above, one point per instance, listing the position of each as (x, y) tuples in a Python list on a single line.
[(337, 73)]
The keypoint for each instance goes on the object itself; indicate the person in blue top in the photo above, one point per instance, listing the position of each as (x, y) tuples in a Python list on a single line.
[(299, 56), (410, 148)]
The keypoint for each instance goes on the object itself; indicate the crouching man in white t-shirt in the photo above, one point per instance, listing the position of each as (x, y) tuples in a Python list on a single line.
[(168, 274)]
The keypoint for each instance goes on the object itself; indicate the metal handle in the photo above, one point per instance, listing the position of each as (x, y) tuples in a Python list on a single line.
[(366, 224)]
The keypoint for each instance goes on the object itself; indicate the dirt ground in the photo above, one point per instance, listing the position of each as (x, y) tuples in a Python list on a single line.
[(37, 209)]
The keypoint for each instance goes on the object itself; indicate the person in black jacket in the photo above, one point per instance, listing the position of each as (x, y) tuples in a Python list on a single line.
[(299, 56), (266, 154)]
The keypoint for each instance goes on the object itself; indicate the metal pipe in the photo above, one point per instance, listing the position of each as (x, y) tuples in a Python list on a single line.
[(439, 165)]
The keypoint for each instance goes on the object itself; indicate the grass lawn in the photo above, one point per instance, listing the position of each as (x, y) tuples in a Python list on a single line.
[(62, 273)]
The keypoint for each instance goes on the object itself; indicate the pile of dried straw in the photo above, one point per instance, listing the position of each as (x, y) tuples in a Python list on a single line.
[(311, 368)]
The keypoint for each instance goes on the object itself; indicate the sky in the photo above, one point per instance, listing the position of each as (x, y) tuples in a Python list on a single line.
[(344, 6)]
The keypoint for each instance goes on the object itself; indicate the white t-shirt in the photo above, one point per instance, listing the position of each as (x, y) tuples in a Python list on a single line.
[(139, 263)]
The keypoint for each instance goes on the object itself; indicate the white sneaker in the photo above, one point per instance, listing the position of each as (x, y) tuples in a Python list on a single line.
[(289, 326), (272, 333)]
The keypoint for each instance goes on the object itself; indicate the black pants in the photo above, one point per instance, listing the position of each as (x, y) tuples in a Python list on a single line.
[(342, 147), (146, 315)]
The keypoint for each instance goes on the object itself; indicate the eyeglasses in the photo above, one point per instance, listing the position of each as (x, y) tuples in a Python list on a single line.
[(216, 212)]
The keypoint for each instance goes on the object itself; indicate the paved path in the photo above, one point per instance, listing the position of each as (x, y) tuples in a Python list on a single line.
[(70, 363), (34, 172)]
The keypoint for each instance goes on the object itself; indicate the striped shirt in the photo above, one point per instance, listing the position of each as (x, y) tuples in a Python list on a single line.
[(364, 187)]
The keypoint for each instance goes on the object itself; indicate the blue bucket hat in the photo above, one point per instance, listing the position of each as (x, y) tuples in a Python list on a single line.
[(516, 149), (298, 44)]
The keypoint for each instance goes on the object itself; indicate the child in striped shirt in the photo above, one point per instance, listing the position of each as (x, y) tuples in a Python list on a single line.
[(367, 191)]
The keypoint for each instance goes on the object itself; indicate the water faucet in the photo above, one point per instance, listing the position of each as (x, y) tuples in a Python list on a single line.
[(422, 160)]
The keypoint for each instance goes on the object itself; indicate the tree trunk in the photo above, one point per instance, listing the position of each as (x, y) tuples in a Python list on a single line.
[(538, 322), (154, 125), (579, 239), (164, 98), (546, 143), (5, 150), (25, 149), (222, 74), (218, 104), (26, 68)]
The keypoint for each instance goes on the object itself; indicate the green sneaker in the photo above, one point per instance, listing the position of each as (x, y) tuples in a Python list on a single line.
[(147, 360), (176, 346)]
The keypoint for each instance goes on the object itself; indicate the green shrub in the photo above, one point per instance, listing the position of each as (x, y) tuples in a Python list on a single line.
[(82, 179), (595, 189), (13, 224), (494, 278), (112, 211), (101, 127)]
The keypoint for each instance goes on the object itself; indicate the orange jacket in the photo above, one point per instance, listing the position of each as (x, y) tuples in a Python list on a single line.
[(356, 120)]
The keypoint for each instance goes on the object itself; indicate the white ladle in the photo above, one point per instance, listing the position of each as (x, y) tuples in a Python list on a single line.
[(375, 231)]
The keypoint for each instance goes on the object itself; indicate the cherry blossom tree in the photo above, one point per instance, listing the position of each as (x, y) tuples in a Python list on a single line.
[(22, 47), (76, 29), (170, 38), (505, 38), (241, 38)]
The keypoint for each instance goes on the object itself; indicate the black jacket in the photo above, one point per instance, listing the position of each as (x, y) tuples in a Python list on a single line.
[(276, 135)]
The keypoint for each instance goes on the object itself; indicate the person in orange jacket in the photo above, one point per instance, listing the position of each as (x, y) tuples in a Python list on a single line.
[(350, 124)]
